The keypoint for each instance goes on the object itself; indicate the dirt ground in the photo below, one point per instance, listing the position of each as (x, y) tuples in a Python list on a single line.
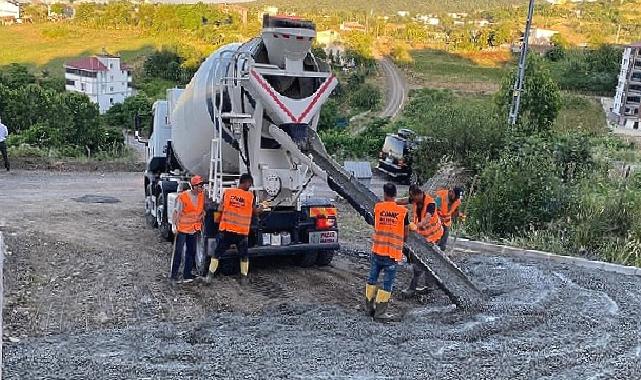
[(87, 296)]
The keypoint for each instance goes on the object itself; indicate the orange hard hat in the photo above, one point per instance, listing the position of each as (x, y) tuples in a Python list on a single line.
[(196, 180)]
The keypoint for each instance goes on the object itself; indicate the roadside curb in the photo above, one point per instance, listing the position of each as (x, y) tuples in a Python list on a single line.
[(490, 249)]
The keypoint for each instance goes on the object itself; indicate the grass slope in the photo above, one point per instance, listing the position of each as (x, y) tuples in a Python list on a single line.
[(48, 46)]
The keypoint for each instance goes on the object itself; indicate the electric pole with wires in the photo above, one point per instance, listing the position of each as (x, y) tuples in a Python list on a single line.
[(520, 79)]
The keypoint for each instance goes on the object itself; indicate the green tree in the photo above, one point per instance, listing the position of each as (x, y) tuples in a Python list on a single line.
[(540, 101), (328, 115), (123, 115), (16, 75), (367, 97)]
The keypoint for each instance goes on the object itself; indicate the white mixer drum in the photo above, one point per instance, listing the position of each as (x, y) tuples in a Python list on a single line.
[(192, 126)]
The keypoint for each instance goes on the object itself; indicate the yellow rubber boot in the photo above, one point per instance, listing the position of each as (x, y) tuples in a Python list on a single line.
[(382, 302), (244, 271), (213, 266), (370, 293)]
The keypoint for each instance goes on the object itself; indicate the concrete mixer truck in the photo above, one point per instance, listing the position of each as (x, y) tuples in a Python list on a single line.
[(253, 108), (248, 109)]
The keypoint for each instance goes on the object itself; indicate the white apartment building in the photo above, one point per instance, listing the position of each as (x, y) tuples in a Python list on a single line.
[(103, 78), (627, 101), (10, 9)]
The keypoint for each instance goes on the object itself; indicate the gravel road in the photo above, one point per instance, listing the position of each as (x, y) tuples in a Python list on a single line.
[(87, 297), (396, 88)]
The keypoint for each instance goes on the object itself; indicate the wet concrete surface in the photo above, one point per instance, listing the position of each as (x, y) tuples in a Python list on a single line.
[(540, 322), (87, 296)]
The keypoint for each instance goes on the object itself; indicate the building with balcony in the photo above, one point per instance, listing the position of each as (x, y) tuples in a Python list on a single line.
[(103, 78), (627, 100), (9, 11)]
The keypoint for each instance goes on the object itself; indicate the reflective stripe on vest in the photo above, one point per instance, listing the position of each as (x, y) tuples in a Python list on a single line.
[(434, 230), (190, 218), (389, 230), (238, 205)]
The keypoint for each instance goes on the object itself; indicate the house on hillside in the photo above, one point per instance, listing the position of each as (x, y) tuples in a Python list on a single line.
[(327, 37), (103, 78), (540, 36), (350, 26), (627, 100), (428, 19), (9, 11)]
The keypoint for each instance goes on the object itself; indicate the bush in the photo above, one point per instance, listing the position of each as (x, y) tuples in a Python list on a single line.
[(343, 145), (468, 132), (367, 97), (519, 192), (593, 71)]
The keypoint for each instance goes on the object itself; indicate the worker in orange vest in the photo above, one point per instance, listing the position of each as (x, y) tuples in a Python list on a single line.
[(188, 219), (425, 222), (391, 227), (448, 203), (235, 220)]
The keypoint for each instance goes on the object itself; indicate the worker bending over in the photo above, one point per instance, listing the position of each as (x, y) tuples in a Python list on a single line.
[(236, 216), (448, 203), (188, 218), (425, 222), (391, 225)]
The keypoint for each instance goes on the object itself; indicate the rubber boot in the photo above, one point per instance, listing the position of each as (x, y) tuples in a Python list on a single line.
[(382, 302), (244, 272), (370, 294), (416, 276), (213, 266)]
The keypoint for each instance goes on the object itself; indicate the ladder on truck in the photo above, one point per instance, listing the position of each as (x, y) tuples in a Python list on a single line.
[(218, 179)]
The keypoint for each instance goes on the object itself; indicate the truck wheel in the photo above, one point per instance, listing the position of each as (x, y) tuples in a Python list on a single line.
[(166, 232), (325, 258), (151, 220), (163, 225), (200, 253), (307, 259), (230, 266)]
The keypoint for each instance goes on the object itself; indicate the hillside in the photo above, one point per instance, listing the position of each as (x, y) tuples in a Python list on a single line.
[(386, 6)]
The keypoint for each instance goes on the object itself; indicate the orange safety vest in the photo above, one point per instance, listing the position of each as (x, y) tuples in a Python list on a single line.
[(446, 211), (238, 206), (434, 229), (389, 230), (190, 218)]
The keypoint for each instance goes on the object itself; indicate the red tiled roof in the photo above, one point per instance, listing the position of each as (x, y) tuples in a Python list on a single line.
[(125, 67), (636, 45), (87, 63)]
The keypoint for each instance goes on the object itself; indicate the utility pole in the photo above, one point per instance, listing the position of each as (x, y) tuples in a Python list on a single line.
[(520, 79)]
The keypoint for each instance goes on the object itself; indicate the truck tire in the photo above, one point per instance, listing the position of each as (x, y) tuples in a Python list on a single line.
[(325, 258), (151, 220), (307, 259), (229, 266), (163, 225), (199, 260)]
